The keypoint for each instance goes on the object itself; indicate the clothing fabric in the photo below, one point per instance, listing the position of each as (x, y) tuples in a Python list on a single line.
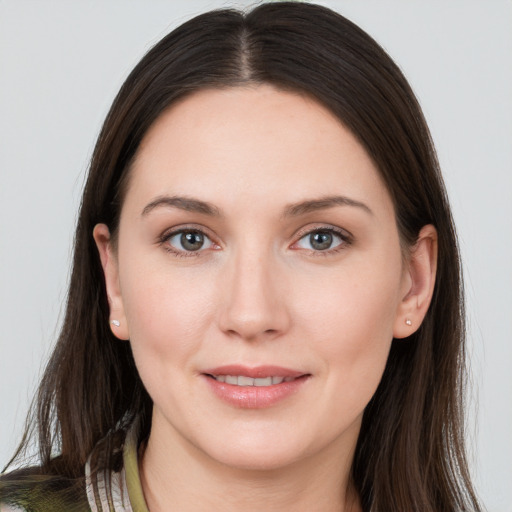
[(116, 491)]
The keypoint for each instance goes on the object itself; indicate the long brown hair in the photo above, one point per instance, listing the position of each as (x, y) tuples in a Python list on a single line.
[(410, 453)]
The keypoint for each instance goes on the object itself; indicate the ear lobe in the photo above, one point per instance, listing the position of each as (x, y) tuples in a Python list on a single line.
[(419, 283), (117, 319)]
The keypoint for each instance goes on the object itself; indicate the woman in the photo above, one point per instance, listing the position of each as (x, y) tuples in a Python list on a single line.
[(255, 317)]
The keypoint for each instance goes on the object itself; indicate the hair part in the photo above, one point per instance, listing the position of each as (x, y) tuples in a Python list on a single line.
[(410, 453)]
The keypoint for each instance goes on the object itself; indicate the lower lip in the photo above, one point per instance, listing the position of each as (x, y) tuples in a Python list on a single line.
[(255, 397)]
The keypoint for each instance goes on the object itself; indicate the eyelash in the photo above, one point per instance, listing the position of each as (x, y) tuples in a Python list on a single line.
[(168, 235), (346, 241)]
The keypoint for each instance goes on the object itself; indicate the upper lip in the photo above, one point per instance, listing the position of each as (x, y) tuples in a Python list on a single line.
[(255, 371)]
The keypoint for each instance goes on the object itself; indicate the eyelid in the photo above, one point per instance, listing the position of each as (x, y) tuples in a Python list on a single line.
[(311, 228), (345, 236), (176, 230)]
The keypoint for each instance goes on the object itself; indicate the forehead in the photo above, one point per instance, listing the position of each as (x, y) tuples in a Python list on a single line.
[(256, 142)]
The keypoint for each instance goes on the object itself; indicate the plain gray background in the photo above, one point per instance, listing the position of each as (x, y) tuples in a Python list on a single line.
[(62, 62)]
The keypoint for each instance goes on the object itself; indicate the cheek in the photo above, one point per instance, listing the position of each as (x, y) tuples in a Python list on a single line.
[(352, 322), (354, 301), (168, 313)]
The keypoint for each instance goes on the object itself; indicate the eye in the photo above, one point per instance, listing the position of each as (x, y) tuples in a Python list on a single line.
[(322, 240), (188, 240)]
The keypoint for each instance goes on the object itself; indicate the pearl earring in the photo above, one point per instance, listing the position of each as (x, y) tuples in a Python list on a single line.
[(408, 321), (116, 323)]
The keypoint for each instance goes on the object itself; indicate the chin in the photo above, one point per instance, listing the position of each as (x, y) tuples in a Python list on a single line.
[(261, 454), (256, 461)]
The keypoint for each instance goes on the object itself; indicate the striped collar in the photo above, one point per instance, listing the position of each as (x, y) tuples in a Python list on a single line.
[(119, 491)]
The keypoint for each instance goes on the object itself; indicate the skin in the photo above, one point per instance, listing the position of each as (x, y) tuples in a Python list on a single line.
[(258, 292)]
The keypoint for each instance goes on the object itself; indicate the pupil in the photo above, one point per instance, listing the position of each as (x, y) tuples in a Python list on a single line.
[(192, 241), (320, 240)]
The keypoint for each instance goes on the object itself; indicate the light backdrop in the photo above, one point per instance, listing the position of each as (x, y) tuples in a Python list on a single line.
[(62, 62)]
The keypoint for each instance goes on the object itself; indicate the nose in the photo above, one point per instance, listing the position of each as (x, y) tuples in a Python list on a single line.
[(254, 299)]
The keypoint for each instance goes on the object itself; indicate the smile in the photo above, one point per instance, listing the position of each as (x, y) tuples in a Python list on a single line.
[(243, 380), (259, 387)]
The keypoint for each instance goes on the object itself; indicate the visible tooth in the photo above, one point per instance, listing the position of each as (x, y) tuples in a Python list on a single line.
[(242, 380), (245, 381), (231, 379), (267, 381)]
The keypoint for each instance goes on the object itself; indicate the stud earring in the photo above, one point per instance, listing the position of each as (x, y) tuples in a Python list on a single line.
[(116, 323), (408, 321)]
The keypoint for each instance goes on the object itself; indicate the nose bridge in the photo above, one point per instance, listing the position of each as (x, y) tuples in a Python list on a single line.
[(254, 304)]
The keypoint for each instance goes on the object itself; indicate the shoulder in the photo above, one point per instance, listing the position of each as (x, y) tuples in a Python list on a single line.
[(30, 490)]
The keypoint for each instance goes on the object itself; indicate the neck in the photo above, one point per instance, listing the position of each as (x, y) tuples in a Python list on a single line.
[(176, 475)]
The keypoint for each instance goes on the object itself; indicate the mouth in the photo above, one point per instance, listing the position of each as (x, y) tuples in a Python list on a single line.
[(244, 380), (254, 388)]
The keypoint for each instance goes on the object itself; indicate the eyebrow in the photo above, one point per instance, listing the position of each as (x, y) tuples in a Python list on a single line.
[(293, 210), (183, 203), (313, 205)]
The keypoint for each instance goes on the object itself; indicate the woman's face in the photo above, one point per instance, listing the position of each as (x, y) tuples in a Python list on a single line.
[(258, 275)]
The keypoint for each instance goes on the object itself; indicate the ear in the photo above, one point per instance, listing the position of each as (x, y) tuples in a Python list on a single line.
[(419, 279), (109, 263)]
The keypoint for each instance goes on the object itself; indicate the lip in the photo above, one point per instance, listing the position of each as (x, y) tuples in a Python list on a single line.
[(253, 397), (255, 372)]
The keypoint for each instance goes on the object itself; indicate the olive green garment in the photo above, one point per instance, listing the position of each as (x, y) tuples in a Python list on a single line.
[(28, 490)]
